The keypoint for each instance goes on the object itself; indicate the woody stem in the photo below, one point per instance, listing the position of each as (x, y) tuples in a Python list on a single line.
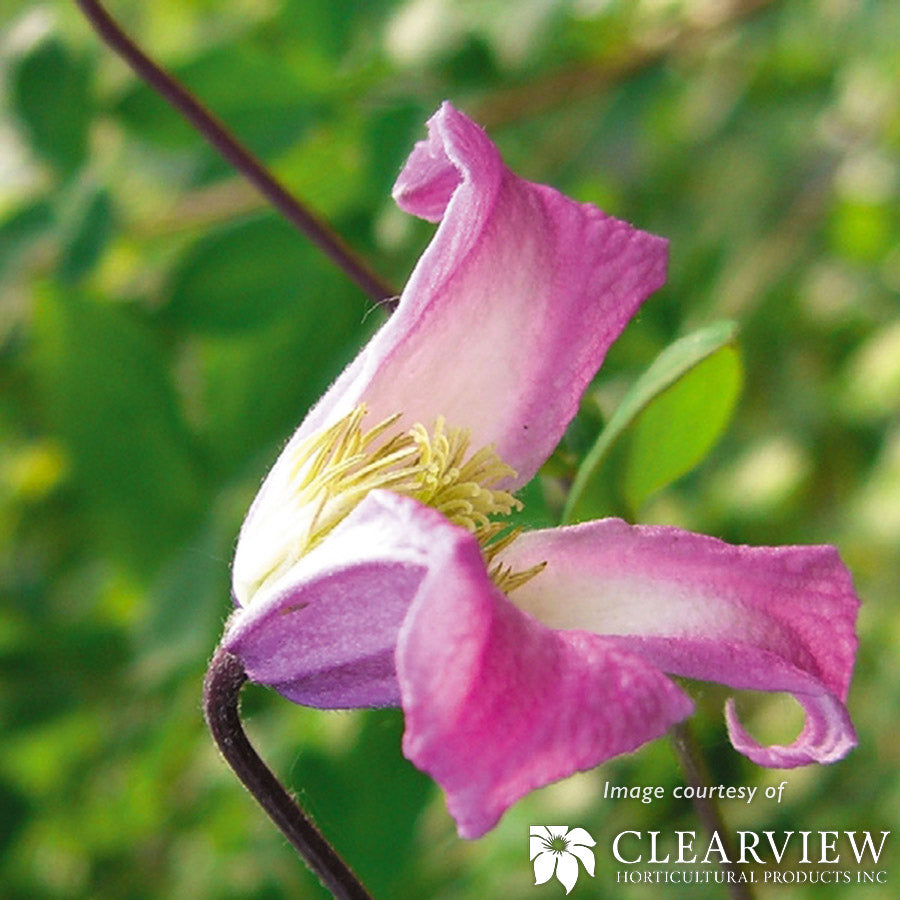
[(697, 776), (221, 691)]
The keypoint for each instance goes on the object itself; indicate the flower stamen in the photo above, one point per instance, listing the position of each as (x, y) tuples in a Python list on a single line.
[(332, 471)]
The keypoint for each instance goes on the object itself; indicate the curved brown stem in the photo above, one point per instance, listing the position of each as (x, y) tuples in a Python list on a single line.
[(696, 775), (312, 226), (221, 690)]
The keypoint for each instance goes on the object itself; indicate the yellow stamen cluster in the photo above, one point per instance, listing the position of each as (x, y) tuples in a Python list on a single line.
[(333, 470)]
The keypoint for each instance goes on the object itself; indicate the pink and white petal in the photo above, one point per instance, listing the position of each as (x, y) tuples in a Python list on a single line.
[(510, 310), (765, 618), (544, 867), (827, 736), (325, 633), (585, 854), (567, 871), (497, 705)]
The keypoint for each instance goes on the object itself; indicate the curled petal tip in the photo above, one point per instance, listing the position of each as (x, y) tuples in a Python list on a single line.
[(827, 736)]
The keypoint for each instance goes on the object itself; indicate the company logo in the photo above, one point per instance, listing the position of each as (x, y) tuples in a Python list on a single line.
[(555, 850)]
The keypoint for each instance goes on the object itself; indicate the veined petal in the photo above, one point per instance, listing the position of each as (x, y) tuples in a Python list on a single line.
[(510, 310), (764, 618), (497, 705), (325, 633)]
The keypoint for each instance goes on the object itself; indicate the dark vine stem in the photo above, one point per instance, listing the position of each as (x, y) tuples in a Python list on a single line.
[(697, 776), (308, 223), (221, 691)]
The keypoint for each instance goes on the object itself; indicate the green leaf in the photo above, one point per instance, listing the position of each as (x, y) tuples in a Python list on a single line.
[(87, 237), (676, 431), (370, 782), (107, 396), (588, 495), (51, 93), (20, 228), (276, 321), (181, 632), (243, 276), (535, 512), (391, 133), (256, 387)]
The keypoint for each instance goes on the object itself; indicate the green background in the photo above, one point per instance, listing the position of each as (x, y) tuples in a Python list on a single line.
[(161, 333)]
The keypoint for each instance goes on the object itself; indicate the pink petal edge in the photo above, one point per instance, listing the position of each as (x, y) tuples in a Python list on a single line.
[(497, 705), (516, 300), (325, 634), (761, 618)]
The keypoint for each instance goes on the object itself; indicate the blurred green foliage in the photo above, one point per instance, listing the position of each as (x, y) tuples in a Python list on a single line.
[(161, 333), (670, 418)]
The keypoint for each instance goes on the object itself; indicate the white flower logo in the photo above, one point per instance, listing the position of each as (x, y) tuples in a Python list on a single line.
[(556, 850)]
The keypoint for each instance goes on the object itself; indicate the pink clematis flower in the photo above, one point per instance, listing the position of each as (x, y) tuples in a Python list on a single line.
[(373, 567)]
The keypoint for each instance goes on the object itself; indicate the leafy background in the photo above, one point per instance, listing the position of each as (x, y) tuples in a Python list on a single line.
[(161, 332)]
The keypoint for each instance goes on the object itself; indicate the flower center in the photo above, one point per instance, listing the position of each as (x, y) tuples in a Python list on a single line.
[(333, 470), (559, 845)]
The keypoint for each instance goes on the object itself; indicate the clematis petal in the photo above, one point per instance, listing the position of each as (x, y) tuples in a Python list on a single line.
[(324, 634), (827, 736), (497, 705), (510, 310), (765, 618)]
